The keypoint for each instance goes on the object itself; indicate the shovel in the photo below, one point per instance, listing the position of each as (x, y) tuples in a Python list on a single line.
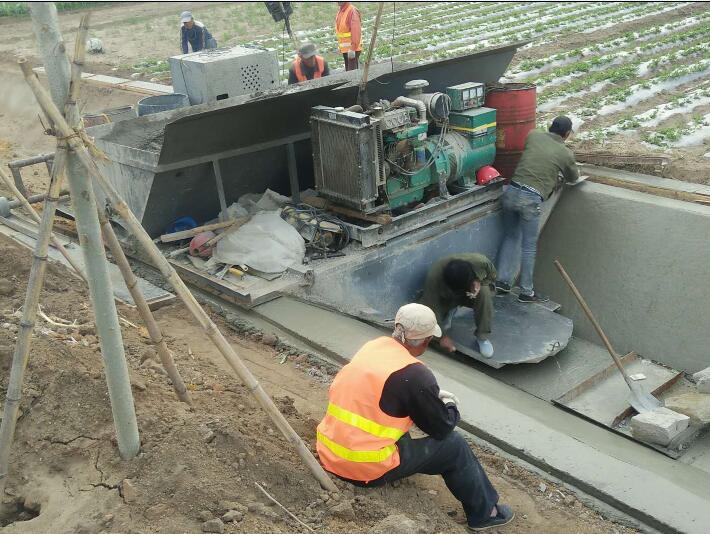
[(640, 400)]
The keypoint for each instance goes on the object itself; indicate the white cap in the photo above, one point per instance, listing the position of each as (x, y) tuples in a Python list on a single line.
[(186, 16), (418, 321)]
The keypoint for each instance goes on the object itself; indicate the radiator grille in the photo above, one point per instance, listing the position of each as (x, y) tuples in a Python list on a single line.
[(346, 162)]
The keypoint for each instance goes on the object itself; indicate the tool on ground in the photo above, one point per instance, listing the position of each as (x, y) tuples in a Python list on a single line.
[(362, 91), (639, 399), (237, 272)]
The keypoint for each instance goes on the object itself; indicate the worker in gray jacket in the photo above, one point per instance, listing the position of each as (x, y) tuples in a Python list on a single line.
[(194, 33), (545, 162)]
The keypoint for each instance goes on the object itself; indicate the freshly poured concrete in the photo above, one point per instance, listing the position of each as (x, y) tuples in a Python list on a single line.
[(668, 495), (641, 261)]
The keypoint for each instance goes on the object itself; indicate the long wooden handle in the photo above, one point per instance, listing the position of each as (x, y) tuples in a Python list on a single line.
[(373, 40), (585, 307)]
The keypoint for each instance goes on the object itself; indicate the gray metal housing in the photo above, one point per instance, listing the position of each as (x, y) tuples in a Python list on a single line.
[(221, 73)]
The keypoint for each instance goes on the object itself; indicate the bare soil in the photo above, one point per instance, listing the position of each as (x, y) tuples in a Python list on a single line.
[(65, 463)]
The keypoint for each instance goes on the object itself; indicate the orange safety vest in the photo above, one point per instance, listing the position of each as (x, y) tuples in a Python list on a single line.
[(356, 439), (298, 71), (342, 29)]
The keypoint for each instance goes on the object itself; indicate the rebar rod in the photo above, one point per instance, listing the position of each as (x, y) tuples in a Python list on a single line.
[(210, 328), (64, 88)]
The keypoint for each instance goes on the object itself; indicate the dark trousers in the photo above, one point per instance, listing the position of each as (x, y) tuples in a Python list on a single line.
[(453, 459), (352, 64)]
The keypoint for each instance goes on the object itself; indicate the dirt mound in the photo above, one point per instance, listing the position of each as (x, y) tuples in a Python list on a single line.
[(198, 468)]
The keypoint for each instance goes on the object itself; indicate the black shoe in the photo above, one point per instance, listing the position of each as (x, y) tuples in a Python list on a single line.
[(505, 516), (502, 287), (535, 297)]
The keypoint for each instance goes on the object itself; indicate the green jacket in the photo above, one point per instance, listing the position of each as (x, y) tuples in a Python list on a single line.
[(544, 159), (437, 294)]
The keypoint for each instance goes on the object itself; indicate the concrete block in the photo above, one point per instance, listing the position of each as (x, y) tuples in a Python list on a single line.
[(694, 405), (659, 426), (702, 380)]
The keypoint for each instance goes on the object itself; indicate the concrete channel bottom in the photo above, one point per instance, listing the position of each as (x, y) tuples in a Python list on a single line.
[(510, 408)]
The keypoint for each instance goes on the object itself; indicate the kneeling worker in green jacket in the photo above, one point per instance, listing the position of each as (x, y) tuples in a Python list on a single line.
[(462, 280)]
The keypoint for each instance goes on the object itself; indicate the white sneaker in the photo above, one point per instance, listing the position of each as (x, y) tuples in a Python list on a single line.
[(485, 347)]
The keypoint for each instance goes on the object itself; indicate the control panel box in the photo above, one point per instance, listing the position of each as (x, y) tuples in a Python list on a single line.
[(466, 96), (220, 73)]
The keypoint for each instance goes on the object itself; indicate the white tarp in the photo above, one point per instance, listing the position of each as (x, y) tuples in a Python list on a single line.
[(266, 243)]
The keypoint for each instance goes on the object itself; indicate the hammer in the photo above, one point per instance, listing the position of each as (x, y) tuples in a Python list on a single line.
[(6, 205)]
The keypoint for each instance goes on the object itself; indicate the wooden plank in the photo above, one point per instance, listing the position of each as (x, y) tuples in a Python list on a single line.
[(651, 189), (322, 203), (186, 234)]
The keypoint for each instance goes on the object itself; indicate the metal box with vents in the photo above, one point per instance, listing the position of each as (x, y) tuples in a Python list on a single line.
[(220, 73), (347, 157)]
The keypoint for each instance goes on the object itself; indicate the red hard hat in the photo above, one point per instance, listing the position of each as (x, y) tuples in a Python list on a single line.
[(486, 174), (197, 245)]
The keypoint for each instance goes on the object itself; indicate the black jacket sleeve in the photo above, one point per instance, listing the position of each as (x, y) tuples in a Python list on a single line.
[(413, 392)]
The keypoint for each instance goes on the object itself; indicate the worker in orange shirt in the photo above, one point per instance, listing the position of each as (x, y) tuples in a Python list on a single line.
[(348, 30)]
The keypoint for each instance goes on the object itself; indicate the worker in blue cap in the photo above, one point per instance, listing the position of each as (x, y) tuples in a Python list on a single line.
[(194, 33)]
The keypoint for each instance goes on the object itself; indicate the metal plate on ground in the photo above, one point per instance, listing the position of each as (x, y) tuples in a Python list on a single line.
[(521, 333), (603, 397)]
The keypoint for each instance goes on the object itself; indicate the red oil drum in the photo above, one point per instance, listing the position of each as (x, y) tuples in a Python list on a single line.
[(516, 105)]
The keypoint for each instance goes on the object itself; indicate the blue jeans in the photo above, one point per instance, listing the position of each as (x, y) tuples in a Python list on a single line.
[(521, 226)]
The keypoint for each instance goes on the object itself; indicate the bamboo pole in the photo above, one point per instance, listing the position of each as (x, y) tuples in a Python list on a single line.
[(210, 328), (35, 216), (64, 91), (154, 331), (29, 316)]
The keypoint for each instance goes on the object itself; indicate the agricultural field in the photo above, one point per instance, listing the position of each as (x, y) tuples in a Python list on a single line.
[(635, 77)]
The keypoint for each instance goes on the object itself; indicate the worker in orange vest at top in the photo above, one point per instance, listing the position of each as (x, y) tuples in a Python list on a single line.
[(378, 397), (348, 30), (308, 65)]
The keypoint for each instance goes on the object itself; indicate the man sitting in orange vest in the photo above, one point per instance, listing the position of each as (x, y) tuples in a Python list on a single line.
[(308, 65), (376, 399), (348, 30)]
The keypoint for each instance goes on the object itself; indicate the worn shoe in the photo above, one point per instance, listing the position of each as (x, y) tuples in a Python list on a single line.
[(502, 287), (505, 516), (535, 297), (485, 347)]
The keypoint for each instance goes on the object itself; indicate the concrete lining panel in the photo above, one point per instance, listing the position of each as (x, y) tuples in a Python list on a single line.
[(641, 262)]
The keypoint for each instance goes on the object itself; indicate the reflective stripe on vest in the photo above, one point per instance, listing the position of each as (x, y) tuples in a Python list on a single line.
[(298, 69), (357, 456), (356, 440), (363, 423), (342, 29)]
